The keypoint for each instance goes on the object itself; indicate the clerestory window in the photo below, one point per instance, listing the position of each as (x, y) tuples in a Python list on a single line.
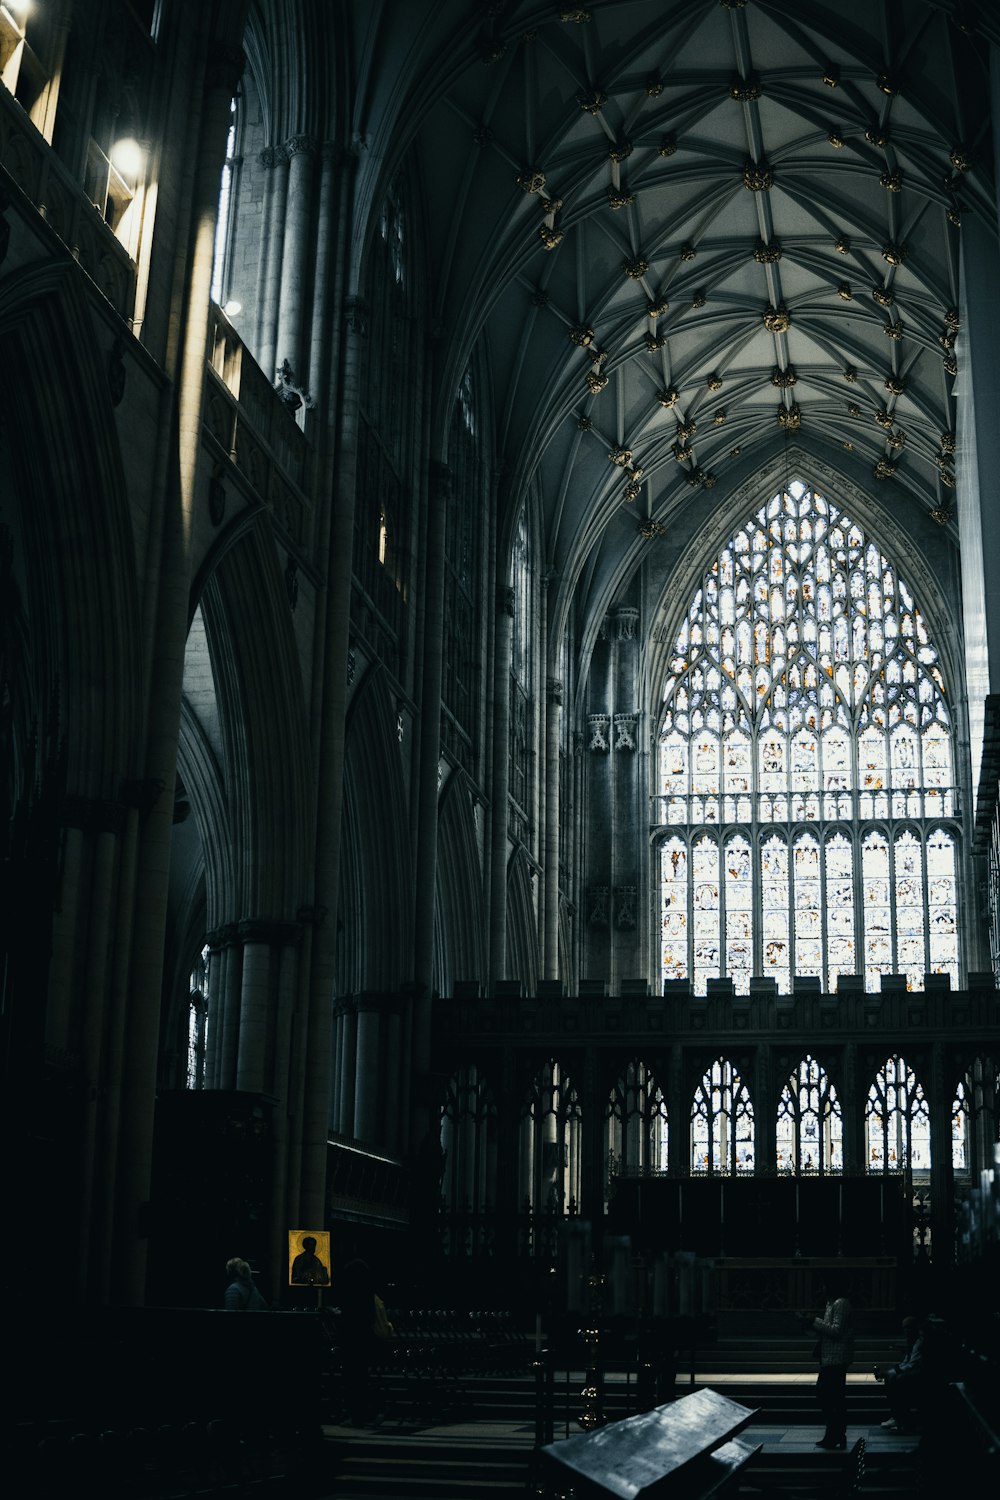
[(806, 794)]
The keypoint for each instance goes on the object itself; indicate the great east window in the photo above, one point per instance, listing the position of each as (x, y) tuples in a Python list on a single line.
[(806, 810)]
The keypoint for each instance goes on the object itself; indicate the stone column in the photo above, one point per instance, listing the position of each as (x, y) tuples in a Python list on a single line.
[(255, 1005), (335, 627), (553, 728), (222, 73), (439, 494), (367, 1071), (275, 159), (348, 1068), (324, 269), (501, 782), (296, 282)]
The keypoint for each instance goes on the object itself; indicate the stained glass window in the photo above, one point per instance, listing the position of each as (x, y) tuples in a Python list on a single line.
[(722, 1123), (897, 1121), (636, 1125), (805, 715), (810, 1125)]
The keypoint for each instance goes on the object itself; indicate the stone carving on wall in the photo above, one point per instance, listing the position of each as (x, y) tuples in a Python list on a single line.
[(289, 389), (628, 619), (625, 731), (597, 906), (598, 725), (625, 907)]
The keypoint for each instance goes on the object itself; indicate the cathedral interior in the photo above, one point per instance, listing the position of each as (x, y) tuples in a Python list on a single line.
[(500, 646)]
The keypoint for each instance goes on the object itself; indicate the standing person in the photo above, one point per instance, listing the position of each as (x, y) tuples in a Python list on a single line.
[(835, 1349), (241, 1294)]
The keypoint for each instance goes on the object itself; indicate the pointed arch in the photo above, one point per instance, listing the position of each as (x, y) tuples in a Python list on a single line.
[(804, 702), (75, 551), (897, 1120), (810, 1125), (636, 1125), (722, 1123)]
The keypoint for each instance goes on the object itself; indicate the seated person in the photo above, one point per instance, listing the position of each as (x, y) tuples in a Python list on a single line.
[(906, 1382)]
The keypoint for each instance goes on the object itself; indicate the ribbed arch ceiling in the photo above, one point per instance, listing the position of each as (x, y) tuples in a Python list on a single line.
[(690, 228)]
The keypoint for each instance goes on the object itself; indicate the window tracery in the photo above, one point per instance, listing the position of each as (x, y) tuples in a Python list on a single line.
[(805, 718), (636, 1126), (468, 1140), (810, 1124), (549, 1144), (722, 1124), (897, 1121)]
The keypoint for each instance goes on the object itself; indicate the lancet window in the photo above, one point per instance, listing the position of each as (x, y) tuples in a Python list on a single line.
[(636, 1136), (897, 1121), (810, 1124), (806, 804), (197, 1035), (549, 1144), (469, 1143), (722, 1124)]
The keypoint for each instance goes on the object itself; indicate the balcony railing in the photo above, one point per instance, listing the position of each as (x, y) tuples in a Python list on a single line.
[(60, 200)]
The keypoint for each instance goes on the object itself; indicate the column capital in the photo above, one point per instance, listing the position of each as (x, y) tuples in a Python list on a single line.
[(301, 145)]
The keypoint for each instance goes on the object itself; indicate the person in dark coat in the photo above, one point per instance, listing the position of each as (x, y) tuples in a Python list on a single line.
[(241, 1294)]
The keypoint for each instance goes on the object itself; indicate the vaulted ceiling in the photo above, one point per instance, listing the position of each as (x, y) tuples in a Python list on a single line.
[(691, 230)]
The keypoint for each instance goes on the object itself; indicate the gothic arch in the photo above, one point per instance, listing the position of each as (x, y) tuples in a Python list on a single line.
[(376, 877), (257, 677), (76, 549)]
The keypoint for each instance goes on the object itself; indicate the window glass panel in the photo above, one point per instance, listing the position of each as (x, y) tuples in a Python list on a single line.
[(911, 959), (674, 888), (707, 912), (876, 908), (739, 913), (839, 907), (776, 954), (942, 921), (808, 906)]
